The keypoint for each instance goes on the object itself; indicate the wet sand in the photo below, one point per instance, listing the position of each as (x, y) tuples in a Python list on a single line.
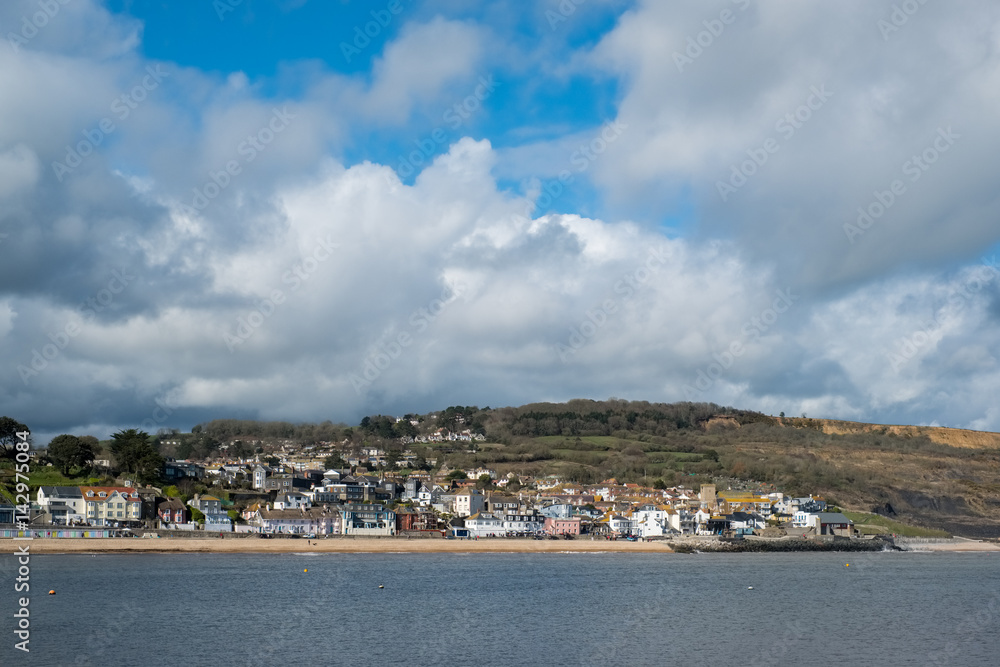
[(328, 545)]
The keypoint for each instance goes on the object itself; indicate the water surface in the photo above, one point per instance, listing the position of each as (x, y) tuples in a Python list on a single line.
[(510, 609)]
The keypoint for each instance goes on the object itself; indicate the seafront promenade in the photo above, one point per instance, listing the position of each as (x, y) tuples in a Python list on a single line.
[(341, 544), (331, 545)]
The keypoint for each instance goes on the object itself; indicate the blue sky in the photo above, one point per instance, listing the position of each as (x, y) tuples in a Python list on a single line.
[(778, 206), (269, 40)]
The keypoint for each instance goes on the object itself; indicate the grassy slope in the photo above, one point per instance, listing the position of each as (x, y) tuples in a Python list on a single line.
[(926, 481), (862, 519)]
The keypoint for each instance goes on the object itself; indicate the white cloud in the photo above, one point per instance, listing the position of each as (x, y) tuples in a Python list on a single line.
[(327, 265), (425, 59)]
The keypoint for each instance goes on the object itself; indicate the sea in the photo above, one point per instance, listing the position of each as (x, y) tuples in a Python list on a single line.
[(508, 609)]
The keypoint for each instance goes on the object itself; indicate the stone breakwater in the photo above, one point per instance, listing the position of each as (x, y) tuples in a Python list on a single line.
[(781, 545)]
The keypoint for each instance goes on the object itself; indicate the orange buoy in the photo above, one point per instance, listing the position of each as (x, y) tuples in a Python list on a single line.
[(52, 592)]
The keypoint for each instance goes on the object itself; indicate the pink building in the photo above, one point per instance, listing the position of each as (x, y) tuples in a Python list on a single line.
[(562, 526)]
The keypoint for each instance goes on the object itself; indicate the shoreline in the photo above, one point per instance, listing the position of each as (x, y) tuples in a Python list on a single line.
[(127, 545), (69, 545)]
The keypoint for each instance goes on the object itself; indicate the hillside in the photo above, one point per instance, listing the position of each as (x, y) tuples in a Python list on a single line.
[(935, 477)]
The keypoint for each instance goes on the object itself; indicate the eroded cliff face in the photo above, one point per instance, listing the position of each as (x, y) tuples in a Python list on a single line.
[(953, 437)]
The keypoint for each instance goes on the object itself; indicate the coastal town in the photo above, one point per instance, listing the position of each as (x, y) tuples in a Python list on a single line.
[(296, 496)]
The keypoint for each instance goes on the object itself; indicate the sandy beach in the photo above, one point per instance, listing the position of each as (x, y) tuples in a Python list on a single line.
[(330, 545), (387, 545)]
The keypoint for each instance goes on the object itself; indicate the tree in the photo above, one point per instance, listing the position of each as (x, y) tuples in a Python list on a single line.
[(659, 484), (68, 451), (334, 462), (240, 450), (9, 428), (134, 454), (484, 481), (392, 459), (457, 474), (185, 448)]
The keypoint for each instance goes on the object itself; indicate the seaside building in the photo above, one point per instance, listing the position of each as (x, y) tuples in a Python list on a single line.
[(562, 526), (64, 504), (468, 502), (172, 511), (370, 520), (111, 505)]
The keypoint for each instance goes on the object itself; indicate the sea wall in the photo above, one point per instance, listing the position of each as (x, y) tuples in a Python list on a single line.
[(780, 545)]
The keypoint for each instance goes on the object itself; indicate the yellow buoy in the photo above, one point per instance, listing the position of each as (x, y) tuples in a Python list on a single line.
[(847, 564), (306, 570)]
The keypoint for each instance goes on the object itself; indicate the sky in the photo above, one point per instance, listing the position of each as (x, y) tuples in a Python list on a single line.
[(303, 210)]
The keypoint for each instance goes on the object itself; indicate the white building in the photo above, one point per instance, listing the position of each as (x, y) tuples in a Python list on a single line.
[(621, 525), (64, 503), (484, 524), (259, 477), (292, 501), (652, 522), (469, 502)]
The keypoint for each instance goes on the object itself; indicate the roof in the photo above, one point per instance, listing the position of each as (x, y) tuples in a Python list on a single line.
[(313, 513), (171, 504), (61, 491), (125, 490), (832, 517)]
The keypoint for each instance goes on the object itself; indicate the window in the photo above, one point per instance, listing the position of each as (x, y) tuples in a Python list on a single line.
[(102, 494)]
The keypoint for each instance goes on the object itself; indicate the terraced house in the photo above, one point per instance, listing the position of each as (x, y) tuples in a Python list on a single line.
[(110, 505)]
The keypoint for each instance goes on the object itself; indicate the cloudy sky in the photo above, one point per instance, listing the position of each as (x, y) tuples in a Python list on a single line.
[(305, 210)]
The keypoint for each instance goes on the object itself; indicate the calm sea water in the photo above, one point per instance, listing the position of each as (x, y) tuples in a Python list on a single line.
[(509, 609)]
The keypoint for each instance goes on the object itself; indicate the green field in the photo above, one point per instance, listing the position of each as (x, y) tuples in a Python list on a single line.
[(862, 519)]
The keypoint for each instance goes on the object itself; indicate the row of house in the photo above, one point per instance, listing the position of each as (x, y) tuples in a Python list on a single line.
[(334, 502), (93, 505)]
